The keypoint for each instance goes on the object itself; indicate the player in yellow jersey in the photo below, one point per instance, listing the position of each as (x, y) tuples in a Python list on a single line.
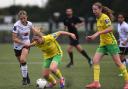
[(52, 54), (108, 44)]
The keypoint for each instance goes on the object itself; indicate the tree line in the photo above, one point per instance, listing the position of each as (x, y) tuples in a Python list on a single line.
[(81, 8)]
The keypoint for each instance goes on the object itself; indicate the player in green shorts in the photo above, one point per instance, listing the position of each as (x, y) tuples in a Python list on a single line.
[(52, 54), (108, 44)]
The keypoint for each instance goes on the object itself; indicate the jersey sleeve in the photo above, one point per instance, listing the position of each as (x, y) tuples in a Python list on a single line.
[(107, 21), (55, 35), (15, 30)]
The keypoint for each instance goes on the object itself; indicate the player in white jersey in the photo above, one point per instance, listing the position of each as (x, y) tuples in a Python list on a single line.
[(123, 38), (20, 35)]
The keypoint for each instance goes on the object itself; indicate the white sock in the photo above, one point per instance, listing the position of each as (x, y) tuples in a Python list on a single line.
[(24, 70)]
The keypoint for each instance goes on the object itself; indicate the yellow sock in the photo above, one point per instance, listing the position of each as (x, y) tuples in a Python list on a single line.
[(51, 79), (96, 69), (58, 74), (124, 72)]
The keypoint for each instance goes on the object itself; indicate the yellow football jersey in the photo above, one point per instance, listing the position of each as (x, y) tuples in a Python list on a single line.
[(50, 47), (104, 22)]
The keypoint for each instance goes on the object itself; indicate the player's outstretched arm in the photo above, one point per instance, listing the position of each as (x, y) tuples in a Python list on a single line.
[(93, 37), (67, 33), (33, 44)]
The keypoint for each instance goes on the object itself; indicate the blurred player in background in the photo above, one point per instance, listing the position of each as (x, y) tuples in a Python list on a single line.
[(108, 44), (20, 35), (52, 54), (123, 38), (71, 24)]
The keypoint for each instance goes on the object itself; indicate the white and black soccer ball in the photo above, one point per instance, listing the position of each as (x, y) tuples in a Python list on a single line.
[(41, 83)]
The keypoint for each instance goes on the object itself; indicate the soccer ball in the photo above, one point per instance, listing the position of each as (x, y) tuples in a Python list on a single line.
[(41, 83)]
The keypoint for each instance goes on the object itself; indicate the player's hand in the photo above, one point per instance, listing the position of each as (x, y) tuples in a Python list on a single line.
[(73, 36), (92, 37), (88, 38)]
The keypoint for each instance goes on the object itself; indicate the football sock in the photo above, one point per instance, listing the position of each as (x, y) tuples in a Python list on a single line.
[(124, 61), (24, 70), (123, 70), (83, 52), (71, 57), (51, 79), (96, 70), (58, 74)]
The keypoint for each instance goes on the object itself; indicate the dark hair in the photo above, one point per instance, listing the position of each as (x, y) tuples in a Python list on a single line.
[(22, 12), (123, 14), (105, 10)]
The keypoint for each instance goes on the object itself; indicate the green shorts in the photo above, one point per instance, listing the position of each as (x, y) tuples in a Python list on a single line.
[(108, 49), (56, 58)]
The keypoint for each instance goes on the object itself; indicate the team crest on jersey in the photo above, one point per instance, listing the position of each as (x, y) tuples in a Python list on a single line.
[(14, 28), (107, 21), (54, 35)]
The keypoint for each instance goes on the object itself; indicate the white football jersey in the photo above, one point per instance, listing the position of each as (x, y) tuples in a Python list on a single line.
[(23, 33), (123, 33)]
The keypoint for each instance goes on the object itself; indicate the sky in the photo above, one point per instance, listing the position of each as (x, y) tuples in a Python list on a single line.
[(7, 3)]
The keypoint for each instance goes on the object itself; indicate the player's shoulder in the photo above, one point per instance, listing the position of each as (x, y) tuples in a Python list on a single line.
[(29, 23), (17, 23), (124, 24), (104, 16)]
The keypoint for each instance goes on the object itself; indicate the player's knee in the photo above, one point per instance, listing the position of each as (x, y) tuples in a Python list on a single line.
[(53, 69), (69, 50), (95, 62), (22, 61), (46, 74)]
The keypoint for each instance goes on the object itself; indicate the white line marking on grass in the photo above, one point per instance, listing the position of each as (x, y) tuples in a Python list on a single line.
[(18, 63)]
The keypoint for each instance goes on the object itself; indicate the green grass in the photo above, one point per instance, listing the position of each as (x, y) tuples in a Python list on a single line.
[(76, 77)]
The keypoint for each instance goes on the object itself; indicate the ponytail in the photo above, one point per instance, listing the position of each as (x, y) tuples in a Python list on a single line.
[(108, 12)]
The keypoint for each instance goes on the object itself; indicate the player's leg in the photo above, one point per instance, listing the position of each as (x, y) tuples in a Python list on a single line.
[(122, 68), (46, 72), (70, 53), (114, 51), (54, 68), (84, 53), (18, 55), (123, 60), (123, 51), (49, 77), (96, 68), (96, 71), (24, 67)]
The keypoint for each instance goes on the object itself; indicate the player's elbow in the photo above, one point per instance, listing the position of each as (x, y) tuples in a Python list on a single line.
[(60, 32)]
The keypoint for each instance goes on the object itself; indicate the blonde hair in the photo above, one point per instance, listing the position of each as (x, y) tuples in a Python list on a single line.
[(105, 10), (22, 12)]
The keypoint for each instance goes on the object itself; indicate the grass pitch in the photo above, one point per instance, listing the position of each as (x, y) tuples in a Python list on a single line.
[(76, 77)]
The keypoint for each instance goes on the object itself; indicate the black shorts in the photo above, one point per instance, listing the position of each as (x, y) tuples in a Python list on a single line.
[(74, 42), (123, 50), (18, 52)]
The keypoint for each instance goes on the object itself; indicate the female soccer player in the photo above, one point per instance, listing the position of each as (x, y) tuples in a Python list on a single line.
[(123, 38), (52, 54), (72, 23), (108, 44), (20, 35)]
